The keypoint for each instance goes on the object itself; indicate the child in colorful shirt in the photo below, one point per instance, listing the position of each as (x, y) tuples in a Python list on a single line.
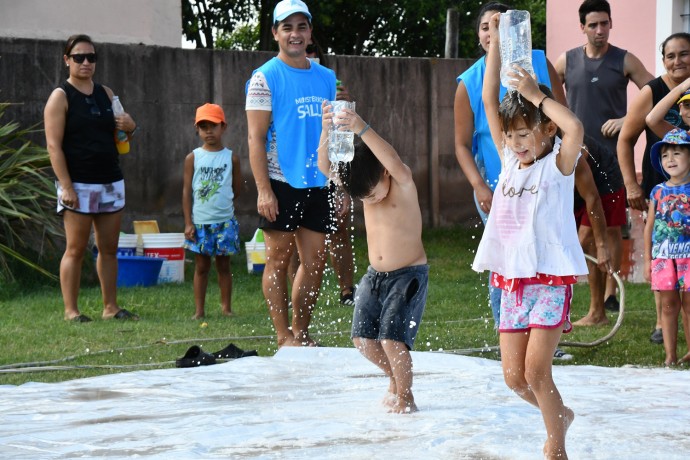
[(667, 237)]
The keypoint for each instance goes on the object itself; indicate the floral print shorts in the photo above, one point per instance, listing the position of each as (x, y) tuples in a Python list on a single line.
[(536, 306)]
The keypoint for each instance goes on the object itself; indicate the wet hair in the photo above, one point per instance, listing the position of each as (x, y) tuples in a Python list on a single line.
[(74, 39), (491, 6), (514, 107), (678, 35), (593, 6), (362, 174)]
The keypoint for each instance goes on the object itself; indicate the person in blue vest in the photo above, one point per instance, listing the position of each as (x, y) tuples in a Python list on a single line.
[(283, 106), (474, 148)]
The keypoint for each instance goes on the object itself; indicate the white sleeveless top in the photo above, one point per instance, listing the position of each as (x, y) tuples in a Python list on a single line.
[(531, 227)]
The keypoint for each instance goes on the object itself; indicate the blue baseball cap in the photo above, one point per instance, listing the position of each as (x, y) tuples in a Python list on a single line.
[(676, 136), (289, 7)]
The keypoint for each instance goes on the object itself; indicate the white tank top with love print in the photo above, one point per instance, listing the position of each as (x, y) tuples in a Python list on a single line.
[(531, 227)]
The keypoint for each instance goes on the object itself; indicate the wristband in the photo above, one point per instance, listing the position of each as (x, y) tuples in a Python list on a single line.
[(364, 130), (541, 104), (131, 134)]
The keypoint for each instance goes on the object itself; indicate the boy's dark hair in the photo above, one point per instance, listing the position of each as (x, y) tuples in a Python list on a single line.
[(360, 176), (74, 39), (491, 6), (514, 107), (593, 6)]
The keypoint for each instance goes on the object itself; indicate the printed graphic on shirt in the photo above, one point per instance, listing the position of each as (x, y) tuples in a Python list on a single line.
[(211, 180), (671, 226)]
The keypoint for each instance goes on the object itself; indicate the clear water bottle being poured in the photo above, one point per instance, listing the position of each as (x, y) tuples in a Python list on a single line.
[(341, 147), (515, 33)]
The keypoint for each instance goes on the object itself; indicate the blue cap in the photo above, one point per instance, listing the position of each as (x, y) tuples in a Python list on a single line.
[(676, 136), (289, 7)]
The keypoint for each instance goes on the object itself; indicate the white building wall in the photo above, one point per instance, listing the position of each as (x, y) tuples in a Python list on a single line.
[(671, 17), (150, 22)]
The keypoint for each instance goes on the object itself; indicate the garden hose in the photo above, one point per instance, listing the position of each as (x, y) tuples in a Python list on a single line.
[(594, 343), (619, 321)]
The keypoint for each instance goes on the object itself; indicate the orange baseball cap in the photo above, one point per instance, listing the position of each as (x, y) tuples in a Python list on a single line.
[(210, 112)]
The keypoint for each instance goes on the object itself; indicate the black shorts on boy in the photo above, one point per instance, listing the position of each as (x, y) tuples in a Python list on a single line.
[(390, 305)]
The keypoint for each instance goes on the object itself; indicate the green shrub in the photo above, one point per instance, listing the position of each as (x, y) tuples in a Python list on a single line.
[(28, 223)]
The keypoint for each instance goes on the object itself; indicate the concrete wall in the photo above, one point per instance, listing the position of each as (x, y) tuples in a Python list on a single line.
[(408, 101), (151, 22)]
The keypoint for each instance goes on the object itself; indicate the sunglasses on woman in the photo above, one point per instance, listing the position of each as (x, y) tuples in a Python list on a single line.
[(79, 58)]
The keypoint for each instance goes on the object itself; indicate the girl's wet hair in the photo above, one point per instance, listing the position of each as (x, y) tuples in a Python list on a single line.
[(678, 35), (74, 39), (362, 174), (514, 107)]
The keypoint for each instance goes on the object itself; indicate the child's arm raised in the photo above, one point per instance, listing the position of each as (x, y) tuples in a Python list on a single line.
[(491, 85), (655, 119), (567, 121), (385, 152)]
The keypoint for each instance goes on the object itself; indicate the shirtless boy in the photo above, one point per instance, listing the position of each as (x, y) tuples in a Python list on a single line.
[(391, 296)]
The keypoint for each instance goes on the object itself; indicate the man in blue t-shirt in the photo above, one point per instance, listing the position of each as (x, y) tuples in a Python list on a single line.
[(283, 108)]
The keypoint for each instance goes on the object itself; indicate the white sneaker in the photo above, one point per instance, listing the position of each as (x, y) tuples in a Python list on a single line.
[(562, 355)]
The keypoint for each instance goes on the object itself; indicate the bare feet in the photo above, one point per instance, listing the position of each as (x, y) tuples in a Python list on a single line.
[(592, 320), (288, 341), (685, 360), (559, 453), (305, 340), (227, 313), (198, 316), (389, 400), (403, 405)]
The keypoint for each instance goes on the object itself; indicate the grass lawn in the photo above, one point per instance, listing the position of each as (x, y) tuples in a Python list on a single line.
[(457, 319)]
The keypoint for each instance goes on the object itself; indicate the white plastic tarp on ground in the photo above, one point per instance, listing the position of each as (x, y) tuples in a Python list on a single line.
[(324, 403)]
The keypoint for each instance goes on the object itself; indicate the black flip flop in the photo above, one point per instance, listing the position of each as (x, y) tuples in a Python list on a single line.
[(195, 357), (233, 352), (81, 319), (126, 314)]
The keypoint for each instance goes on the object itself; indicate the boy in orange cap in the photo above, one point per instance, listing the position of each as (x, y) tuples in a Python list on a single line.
[(212, 179)]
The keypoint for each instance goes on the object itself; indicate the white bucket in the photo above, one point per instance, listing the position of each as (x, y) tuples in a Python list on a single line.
[(168, 246), (127, 244), (256, 256)]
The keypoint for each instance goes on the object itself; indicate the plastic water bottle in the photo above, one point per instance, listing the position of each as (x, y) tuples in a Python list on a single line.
[(515, 33), (341, 144), (121, 140)]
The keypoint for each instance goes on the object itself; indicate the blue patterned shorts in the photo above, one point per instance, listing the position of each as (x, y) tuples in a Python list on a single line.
[(221, 239)]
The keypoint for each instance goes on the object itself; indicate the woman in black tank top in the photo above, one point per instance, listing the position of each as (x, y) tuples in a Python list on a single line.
[(80, 128), (675, 52)]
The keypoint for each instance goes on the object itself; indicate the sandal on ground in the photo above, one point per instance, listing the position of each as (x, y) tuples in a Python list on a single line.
[(195, 357), (233, 352), (124, 314), (81, 319), (348, 299)]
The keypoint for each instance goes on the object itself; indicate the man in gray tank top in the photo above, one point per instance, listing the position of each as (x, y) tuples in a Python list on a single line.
[(596, 78)]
